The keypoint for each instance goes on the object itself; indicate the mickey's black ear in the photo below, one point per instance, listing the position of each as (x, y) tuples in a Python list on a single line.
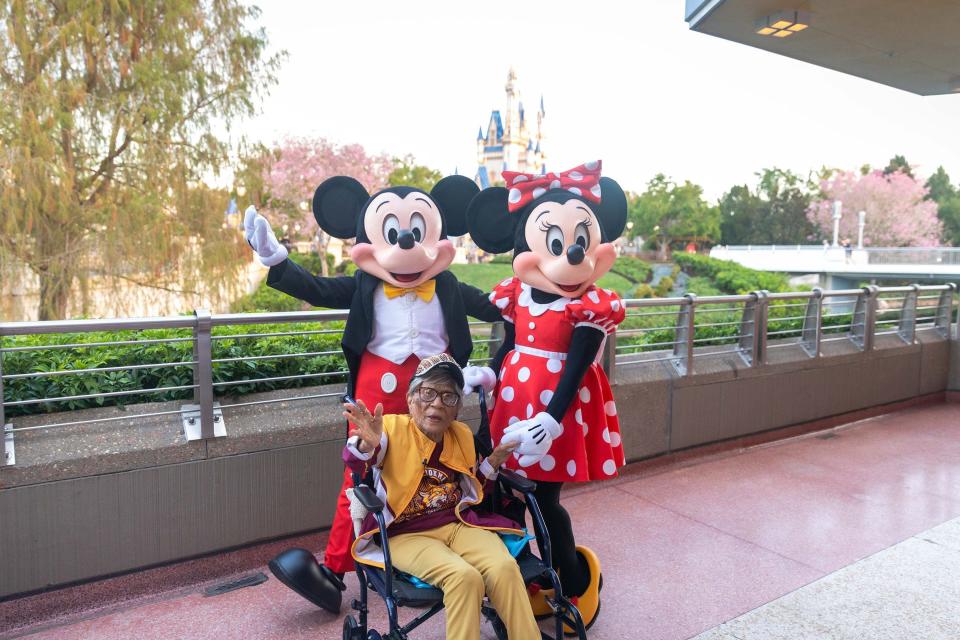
[(612, 210), (337, 205), (453, 194), (491, 226)]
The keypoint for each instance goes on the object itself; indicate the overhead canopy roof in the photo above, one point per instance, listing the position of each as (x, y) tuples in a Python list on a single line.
[(912, 45)]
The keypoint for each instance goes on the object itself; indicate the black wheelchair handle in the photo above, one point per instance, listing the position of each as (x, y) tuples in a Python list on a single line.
[(368, 498), (516, 482)]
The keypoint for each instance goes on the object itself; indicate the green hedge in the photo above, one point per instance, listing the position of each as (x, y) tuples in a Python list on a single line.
[(730, 277), (141, 352)]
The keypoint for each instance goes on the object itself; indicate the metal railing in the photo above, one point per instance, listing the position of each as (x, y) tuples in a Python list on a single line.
[(674, 331)]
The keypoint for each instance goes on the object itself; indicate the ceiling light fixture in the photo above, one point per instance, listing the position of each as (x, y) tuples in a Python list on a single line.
[(782, 24)]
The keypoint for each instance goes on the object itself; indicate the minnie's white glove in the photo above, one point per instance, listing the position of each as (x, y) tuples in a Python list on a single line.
[(474, 377), (260, 236), (534, 435)]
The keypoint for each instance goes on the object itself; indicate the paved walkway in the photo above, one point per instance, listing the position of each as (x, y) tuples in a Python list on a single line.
[(832, 535)]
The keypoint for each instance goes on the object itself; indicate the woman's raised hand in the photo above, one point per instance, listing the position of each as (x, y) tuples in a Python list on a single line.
[(367, 426)]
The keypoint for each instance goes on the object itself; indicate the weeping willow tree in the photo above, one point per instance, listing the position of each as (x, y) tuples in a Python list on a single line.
[(109, 116)]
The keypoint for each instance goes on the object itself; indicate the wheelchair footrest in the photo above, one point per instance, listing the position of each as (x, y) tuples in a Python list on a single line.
[(405, 593)]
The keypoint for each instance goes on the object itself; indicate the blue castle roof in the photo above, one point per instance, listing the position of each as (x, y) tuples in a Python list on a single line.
[(495, 118)]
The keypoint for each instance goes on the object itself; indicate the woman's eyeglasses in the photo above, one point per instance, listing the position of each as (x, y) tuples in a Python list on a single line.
[(428, 395)]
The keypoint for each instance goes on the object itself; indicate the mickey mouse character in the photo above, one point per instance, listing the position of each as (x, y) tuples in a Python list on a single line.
[(404, 306), (552, 396)]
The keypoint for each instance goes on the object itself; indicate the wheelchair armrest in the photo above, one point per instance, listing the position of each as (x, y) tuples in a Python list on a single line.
[(368, 498), (515, 481)]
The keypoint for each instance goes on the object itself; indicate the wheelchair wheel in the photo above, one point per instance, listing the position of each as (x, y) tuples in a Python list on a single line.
[(351, 630), (374, 635)]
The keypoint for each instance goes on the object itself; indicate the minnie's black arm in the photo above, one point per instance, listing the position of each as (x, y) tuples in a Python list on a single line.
[(584, 345), (509, 340), (294, 280)]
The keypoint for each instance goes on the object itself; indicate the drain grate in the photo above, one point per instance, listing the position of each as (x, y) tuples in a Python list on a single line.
[(246, 581)]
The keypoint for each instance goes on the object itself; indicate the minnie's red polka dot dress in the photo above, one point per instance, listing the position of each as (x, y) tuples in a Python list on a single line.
[(589, 447)]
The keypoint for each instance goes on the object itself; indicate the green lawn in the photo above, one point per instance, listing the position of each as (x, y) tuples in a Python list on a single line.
[(487, 276)]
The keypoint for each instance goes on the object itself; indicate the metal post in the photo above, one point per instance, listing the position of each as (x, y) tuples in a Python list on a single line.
[(945, 311), (860, 224), (760, 328), (203, 372), (609, 356), (683, 337), (497, 334), (812, 334), (747, 343), (837, 208), (9, 457), (864, 318), (205, 413), (907, 327), (753, 329)]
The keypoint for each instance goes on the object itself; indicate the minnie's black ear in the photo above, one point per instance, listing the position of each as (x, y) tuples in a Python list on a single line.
[(491, 226), (612, 210), (453, 194), (338, 204)]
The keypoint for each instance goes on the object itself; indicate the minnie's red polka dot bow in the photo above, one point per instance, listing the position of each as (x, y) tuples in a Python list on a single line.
[(524, 188)]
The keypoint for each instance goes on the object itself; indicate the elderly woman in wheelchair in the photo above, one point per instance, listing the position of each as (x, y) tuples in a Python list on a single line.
[(427, 473)]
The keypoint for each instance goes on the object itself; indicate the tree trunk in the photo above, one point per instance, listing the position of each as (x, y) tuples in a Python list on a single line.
[(662, 247), (56, 272), (55, 286), (324, 241)]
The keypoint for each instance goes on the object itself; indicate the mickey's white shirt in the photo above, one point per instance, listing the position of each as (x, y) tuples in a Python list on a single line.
[(405, 326)]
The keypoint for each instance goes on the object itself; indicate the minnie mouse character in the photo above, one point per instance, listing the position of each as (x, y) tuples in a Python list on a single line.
[(404, 306), (552, 396)]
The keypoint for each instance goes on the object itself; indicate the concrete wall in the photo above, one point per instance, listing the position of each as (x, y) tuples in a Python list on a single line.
[(87, 502)]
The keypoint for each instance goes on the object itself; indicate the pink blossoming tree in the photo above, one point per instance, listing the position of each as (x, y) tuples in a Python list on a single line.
[(297, 166), (897, 213)]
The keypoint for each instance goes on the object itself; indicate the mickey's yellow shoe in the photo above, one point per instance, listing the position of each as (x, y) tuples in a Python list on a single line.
[(588, 603)]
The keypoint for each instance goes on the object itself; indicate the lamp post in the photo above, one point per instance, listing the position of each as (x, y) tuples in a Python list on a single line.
[(860, 224), (837, 207)]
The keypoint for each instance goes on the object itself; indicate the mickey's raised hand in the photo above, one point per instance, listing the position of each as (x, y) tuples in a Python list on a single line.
[(260, 237)]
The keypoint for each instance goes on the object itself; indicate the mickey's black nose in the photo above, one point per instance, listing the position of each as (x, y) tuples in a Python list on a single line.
[(406, 239), (575, 254)]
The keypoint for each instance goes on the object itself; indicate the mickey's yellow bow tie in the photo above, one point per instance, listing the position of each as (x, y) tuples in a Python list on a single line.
[(424, 291)]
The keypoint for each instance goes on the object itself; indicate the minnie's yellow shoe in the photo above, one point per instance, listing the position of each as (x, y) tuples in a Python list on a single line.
[(588, 603), (538, 601)]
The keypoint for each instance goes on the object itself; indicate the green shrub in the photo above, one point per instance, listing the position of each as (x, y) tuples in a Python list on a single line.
[(643, 291), (633, 269), (702, 286), (664, 287)]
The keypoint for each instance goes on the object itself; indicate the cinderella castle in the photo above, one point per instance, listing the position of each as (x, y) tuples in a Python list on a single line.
[(512, 141)]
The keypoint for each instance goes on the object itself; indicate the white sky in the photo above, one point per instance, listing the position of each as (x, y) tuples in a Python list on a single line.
[(625, 82)]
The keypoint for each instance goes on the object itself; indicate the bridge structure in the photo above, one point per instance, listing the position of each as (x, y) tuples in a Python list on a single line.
[(839, 268)]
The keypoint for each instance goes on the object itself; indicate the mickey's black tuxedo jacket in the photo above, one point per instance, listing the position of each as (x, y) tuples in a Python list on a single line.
[(457, 301)]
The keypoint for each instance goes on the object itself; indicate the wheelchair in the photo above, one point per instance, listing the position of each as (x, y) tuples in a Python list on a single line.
[(513, 497)]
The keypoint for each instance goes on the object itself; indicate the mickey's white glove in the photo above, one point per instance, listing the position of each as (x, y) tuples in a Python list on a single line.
[(260, 236), (534, 435), (474, 377)]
